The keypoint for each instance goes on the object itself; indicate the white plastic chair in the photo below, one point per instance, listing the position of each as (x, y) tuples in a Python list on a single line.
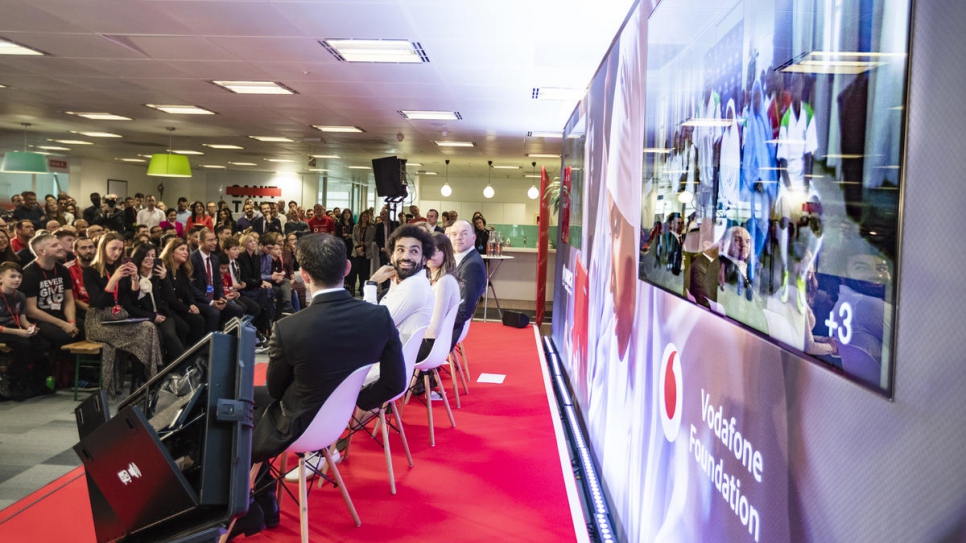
[(435, 359), (325, 430), (458, 358), (410, 352)]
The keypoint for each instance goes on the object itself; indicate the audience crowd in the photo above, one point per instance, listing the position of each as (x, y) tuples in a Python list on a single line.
[(148, 281)]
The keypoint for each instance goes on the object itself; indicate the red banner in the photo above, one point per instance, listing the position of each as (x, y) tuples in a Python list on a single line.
[(256, 192), (543, 240)]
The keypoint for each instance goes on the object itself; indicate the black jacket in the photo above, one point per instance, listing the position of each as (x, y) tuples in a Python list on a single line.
[(306, 366)]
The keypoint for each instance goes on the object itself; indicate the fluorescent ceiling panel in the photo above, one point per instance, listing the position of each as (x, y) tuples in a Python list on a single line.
[(431, 115), (275, 139), (339, 129), (181, 110), (100, 116), (243, 164), (397, 51), (97, 134), (325, 156), (72, 142), (186, 152), (254, 87), (11, 48), (454, 144), (542, 155), (222, 146)]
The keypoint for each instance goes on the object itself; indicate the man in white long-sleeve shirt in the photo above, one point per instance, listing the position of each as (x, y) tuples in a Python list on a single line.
[(410, 296)]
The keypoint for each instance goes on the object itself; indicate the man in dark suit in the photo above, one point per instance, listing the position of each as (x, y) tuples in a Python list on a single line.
[(305, 367), (471, 272), (207, 284), (383, 231)]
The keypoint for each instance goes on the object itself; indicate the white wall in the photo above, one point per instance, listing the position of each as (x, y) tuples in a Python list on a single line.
[(509, 205)]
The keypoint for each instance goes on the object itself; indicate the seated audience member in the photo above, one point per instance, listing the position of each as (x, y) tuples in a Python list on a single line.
[(193, 238), (272, 273), (180, 298), (84, 250), (7, 254), (49, 292), (446, 290), (250, 265), (247, 220), (80, 226), (225, 220), (23, 231), (207, 284), (66, 237), (470, 271), (150, 301), (111, 285), (199, 217), (295, 224), (410, 296), (29, 367), (31, 211), (291, 267), (231, 275), (273, 223), (172, 222), (306, 366)]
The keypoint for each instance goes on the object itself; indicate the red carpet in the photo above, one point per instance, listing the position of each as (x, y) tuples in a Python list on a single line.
[(495, 477)]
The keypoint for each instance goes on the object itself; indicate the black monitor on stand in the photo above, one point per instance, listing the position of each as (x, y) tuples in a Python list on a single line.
[(173, 463)]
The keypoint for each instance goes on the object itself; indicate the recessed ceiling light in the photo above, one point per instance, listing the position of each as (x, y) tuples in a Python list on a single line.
[(96, 134), (8, 47), (317, 170), (276, 139), (542, 155), (325, 156), (146, 156), (427, 173), (51, 147), (243, 164), (214, 166), (533, 175), (99, 116), (181, 110), (222, 146), (186, 152), (72, 142), (546, 135), (3, 86), (400, 51), (131, 159), (556, 93), (431, 115), (254, 87), (506, 167), (338, 129), (413, 164), (454, 144), (278, 160), (359, 168)]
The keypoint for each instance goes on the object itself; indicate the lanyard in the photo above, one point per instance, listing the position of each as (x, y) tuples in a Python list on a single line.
[(16, 316)]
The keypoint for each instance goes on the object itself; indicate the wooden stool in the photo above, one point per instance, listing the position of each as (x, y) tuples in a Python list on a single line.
[(87, 354)]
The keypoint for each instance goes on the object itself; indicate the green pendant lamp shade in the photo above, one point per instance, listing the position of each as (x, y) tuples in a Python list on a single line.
[(24, 162), (168, 165)]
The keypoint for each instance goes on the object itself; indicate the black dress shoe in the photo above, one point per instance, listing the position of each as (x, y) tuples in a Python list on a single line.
[(269, 506), (250, 523)]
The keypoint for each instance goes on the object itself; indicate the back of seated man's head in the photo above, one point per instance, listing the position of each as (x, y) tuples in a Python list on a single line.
[(323, 258)]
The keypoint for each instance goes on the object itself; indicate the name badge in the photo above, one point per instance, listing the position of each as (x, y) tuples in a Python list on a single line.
[(55, 306), (210, 289)]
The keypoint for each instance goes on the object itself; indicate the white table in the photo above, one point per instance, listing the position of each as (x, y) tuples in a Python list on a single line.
[(490, 272)]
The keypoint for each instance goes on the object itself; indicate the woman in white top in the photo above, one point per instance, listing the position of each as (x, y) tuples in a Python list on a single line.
[(446, 289)]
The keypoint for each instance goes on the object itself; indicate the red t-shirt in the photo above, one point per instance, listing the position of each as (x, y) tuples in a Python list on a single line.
[(17, 245), (323, 224), (77, 281)]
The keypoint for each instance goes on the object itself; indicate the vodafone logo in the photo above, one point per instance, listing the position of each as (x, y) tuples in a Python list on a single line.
[(670, 392)]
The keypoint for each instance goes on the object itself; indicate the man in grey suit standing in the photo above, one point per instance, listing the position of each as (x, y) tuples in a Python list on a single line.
[(309, 356), (470, 270)]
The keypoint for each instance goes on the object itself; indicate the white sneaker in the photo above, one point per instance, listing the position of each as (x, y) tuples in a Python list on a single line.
[(314, 459), (435, 396)]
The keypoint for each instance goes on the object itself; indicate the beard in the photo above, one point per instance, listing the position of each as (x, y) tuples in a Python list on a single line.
[(405, 273)]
